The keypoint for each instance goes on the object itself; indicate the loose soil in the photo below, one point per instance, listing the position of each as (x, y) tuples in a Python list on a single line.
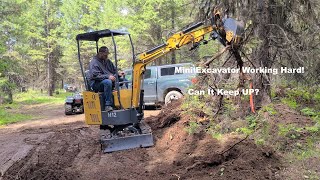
[(63, 147)]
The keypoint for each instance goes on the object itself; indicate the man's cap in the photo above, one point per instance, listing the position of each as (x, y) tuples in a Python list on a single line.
[(103, 49)]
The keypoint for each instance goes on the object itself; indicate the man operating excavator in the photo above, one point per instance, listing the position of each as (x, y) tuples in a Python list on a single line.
[(124, 128), (102, 76)]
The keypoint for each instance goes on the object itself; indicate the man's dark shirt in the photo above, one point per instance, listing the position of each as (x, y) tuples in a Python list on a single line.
[(100, 69)]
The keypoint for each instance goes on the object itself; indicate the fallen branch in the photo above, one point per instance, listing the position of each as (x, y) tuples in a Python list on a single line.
[(219, 161), (206, 64), (233, 145), (225, 62), (248, 59), (177, 176), (194, 165), (219, 106)]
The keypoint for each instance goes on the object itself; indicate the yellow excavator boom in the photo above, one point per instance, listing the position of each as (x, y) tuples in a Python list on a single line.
[(174, 42)]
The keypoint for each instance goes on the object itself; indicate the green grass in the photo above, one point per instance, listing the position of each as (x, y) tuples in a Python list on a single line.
[(28, 98), (7, 118), (305, 153), (290, 102), (35, 97), (301, 97), (192, 128), (309, 112), (215, 130), (270, 109)]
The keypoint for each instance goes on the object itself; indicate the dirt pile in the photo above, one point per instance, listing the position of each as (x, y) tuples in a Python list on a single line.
[(167, 116), (53, 158), (72, 151), (207, 158), (199, 156)]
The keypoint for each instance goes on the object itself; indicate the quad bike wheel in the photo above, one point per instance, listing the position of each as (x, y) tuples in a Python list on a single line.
[(81, 109), (68, 109)]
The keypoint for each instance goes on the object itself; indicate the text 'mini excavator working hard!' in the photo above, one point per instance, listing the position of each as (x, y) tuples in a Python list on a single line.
[(123, 127)]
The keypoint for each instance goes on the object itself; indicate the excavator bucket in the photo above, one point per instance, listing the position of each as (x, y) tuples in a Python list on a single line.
[(234, 30), (127, 138)]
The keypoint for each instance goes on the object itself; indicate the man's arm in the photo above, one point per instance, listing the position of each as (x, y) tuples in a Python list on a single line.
[(96, 72), (112, 72), (111, 69)]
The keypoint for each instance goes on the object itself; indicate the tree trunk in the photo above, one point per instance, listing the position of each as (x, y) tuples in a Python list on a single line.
[(50, 80), (173, 14), (1, 99), (261, 56), (156, 32), (10, 96), (50, 59)]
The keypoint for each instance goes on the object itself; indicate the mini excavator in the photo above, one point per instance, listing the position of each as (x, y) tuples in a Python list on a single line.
[(124, 127)]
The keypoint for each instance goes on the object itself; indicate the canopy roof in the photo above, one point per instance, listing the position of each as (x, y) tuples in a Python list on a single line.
[(96, 35)]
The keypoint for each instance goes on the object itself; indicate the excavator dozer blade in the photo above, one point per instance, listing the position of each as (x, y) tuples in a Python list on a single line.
[(111, 143)]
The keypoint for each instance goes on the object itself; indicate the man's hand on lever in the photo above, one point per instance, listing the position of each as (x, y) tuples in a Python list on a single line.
[(112, 78), (121, 73)]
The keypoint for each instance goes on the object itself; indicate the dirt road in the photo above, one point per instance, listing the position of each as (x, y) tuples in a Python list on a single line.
[(63, 147), (22, 141)]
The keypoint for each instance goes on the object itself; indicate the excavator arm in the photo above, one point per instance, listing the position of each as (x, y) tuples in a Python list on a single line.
[(176, 41), (226, 30)]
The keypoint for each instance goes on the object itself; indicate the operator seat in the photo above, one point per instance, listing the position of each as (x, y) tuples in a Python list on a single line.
[(87, 77)]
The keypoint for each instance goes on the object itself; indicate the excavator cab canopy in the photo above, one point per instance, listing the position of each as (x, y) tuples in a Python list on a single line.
[(123, 127), (96, 35)]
